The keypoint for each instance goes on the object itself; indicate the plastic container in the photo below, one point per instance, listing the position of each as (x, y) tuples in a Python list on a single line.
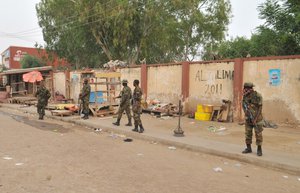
[(202, 116), (200, 109), (207, 108)]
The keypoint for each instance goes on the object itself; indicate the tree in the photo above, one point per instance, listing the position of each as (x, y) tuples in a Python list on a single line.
[(160, 31), (29, 61), (280, 35)]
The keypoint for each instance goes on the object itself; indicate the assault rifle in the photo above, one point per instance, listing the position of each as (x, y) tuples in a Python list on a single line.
[(247, 110)]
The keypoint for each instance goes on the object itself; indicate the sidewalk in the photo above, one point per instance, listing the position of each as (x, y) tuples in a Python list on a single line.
[(281, 147)]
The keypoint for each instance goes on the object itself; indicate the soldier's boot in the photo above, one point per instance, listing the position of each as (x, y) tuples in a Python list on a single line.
[(259, 150), (41, 117), (117, 123), (136, 129), (129, 123), (141, 129), (86, 116), (248, 149)]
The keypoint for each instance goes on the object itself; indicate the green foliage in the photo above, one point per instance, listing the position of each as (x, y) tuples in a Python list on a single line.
[(91, 32), (29, 61), (280, 35)]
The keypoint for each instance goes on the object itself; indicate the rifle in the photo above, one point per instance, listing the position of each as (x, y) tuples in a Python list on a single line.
[(80, 105), (245, 105)]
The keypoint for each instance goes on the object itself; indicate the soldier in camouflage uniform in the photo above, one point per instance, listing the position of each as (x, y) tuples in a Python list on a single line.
[(43, 96), (252, 106), (136, 107), (85, 98), (125, 96)]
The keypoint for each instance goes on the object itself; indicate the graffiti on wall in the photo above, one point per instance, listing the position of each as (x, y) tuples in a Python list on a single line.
[(274, 77), (212, 86)]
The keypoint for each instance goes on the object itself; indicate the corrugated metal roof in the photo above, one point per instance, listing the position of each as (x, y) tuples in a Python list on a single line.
[(19, 71)]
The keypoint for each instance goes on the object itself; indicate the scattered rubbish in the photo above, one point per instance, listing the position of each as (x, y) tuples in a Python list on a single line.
[(24, 106), (127, 140), (247, 176), (269, 124), (166, 117), (121, 136), (286, 177), (299, 179), (7, 158), (55, 130), (212, 128), (218, 169), (221, 129), (225, 163), (140, 154), (238, 165), (172, 148), (114, 136), (98, 129), (19, 164), (153, 142)]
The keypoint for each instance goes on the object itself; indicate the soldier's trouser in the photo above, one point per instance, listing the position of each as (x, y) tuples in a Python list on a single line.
[(258, 133), (136, 115), (126, 108), (41, 109), (85, 107)]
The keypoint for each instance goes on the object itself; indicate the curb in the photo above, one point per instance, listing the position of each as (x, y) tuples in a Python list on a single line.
[(233, 156)]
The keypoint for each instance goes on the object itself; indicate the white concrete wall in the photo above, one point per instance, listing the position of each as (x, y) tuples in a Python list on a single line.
[(164, 83), (282, 101), (210, 83)]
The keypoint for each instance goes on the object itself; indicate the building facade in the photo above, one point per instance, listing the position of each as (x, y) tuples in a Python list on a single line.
[(12, 56)]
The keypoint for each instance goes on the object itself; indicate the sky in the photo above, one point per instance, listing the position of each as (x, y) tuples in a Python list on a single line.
[(19, 24)]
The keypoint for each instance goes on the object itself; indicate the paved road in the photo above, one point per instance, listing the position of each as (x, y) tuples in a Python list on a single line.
[(51, 156)]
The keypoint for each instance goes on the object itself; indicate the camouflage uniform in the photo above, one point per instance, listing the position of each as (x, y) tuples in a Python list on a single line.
[(43, 96), (85, 98), (254, 101), (136, 106), (125, 96)]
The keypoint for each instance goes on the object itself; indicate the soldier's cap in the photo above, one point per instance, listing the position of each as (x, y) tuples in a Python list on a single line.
[(248, 85), (125, 81), (86, 80)]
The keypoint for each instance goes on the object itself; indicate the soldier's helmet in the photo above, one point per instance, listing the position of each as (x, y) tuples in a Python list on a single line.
[(125, 81), (248, 85)]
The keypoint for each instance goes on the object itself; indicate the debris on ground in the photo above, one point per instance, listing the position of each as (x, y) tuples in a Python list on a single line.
[(212, 128), (221, 131), (218, 169), (153, 142), (172, 148), (163, 109), (98, 129), (7, 158), (238, 165), (140, 154), (19, 164), (128, 140), (269, 124), (286, 177)]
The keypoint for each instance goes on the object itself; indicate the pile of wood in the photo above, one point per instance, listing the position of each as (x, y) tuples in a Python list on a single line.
[(23, 100)]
